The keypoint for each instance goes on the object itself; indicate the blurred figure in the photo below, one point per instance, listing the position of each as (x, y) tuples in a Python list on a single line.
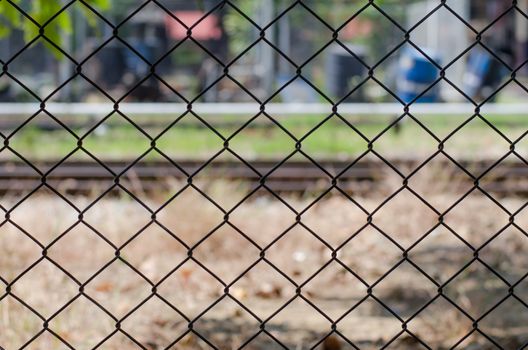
[(484, 74), (6, 94), (137, 68), (416, 75), (485, 71)]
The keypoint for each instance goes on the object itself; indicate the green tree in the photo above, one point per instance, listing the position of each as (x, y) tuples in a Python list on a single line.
[(334, 12), (52, 17)]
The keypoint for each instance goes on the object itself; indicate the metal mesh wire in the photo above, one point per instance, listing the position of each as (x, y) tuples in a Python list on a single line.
[(264, 177)]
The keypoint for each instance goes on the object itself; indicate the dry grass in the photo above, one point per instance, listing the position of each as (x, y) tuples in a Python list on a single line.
[(191, 289)]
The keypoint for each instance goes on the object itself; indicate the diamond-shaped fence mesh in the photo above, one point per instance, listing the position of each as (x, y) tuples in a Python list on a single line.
[(263, 174)]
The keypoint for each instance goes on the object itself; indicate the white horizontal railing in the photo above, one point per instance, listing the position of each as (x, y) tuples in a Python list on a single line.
[(276, 109)]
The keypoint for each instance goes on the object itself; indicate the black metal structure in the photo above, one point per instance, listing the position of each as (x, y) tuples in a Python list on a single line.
[(263, 177)]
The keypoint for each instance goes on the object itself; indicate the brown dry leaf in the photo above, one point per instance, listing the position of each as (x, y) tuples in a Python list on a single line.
[(332, 343), (104, 287), (238, 313), (310, 294), (188, 340), (160, 322), (269, 291), (186, 274)]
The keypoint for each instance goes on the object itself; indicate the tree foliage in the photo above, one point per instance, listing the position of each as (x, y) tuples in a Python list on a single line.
[(51, 17), (334, 12)]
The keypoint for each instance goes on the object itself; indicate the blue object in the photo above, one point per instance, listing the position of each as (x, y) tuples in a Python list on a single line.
[(483, 72), (478, 65), (133, 62), (416, 74)]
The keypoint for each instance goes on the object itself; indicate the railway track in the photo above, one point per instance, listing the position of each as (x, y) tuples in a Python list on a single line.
[(294, 176)]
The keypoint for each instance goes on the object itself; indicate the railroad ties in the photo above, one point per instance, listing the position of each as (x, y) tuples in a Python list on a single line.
[(81, 177)]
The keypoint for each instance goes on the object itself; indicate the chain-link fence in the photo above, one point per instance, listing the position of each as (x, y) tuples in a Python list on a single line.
[(326, 174)]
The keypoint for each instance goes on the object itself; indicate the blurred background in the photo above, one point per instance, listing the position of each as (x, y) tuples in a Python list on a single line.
[(191, 66), (128, 216), (225, 64)]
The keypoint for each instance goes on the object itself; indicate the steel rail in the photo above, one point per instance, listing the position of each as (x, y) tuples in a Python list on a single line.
[(508, 178)]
